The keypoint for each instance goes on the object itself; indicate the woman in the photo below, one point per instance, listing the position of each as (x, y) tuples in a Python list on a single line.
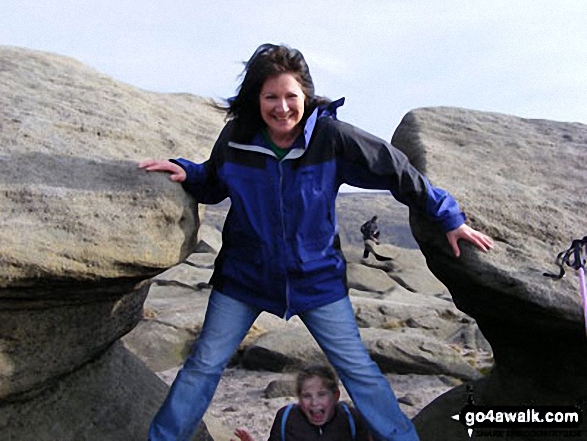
[(281, 159)]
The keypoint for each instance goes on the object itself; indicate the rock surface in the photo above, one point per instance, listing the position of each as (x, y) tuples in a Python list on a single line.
[(72, 196), (521, 182), (80, 227), (108, 399)]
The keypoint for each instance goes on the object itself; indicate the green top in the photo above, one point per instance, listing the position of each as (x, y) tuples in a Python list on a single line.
[(279, 152)]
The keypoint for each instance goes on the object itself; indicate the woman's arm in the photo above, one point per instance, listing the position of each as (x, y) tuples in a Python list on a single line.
[(369, 162)]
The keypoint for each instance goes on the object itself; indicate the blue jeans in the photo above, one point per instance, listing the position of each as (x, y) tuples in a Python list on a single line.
[(334, 328)]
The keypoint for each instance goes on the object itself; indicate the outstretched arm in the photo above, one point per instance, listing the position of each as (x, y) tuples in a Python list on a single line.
[(480, 240), (369, 162), (177, 174), (243, 435)]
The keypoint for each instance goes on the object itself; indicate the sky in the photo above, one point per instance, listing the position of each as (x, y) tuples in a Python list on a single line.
[(523, 57)]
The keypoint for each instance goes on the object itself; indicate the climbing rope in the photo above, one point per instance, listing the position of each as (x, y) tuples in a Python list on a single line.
[(574, 257)]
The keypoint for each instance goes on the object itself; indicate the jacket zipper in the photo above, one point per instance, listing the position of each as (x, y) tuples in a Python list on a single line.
[(280, 167)]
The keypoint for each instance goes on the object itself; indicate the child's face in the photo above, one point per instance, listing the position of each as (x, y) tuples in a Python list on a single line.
[(317, 402)]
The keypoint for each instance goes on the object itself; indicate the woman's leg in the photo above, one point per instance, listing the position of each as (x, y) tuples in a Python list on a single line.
[(226, 324), (335, 329)]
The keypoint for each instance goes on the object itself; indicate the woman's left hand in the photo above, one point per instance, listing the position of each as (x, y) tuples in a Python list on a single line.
[(480, 240)]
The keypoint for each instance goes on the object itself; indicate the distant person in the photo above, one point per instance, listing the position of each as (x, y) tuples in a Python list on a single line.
[(281, 159), (318, 415), (370, 232)]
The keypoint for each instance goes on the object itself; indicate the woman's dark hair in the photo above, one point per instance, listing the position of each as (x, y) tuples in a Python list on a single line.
[(268, 61), (324, 372)]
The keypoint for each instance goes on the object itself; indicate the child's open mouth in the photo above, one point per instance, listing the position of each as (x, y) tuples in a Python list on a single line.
[(318, 416)]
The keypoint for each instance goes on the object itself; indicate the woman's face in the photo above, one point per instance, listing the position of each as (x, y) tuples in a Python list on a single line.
[(282, 106), (317, 402)]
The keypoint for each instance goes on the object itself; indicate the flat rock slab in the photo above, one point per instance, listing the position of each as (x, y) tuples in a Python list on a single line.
[(364, 278), (406, 351), (521, 182), (75, 208)]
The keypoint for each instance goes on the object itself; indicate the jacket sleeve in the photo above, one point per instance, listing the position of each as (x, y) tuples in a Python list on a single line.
[(365, 161), (202, 180)]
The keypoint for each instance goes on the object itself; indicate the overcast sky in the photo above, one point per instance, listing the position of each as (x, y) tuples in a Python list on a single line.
[(522, 57)]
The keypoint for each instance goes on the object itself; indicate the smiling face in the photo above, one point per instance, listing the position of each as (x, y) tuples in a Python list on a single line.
[(317, 402), (282, 107)]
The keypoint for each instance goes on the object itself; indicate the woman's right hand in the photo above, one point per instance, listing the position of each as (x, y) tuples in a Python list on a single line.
[(243, 435), (177, 174)]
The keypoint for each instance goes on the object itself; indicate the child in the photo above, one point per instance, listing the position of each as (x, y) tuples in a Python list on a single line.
[(318, 415)]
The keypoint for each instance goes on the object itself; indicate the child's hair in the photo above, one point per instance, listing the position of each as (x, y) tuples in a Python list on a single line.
[(325, 373)]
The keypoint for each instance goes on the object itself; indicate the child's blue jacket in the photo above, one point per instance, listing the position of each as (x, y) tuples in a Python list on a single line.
[(280, 248)]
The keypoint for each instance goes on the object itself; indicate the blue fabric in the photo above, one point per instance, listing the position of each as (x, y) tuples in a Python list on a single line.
[(351, 419), (280, 248), (363, 380), (328, 110), (286, 412), (194, 387), (442, 205), (226, 324)]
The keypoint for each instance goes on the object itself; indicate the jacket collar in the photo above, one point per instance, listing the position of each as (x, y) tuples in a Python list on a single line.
[(320, 112)]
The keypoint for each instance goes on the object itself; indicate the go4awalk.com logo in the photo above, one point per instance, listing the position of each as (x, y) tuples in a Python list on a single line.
[(528, 421)]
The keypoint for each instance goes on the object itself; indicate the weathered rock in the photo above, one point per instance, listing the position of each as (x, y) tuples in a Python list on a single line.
[(44, 340), (76, 206), (407, 309), (171, 323), (201, 260), (364, 278), (159, 345), (408, 267), (520, 181), (209, 240), (411, 352), (81, 226), (404, 351), (109, 399), (283, 351), (186, 275), (470, 338), (280, 388)]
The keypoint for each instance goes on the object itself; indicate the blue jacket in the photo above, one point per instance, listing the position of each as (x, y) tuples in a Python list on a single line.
[(280, 248)]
